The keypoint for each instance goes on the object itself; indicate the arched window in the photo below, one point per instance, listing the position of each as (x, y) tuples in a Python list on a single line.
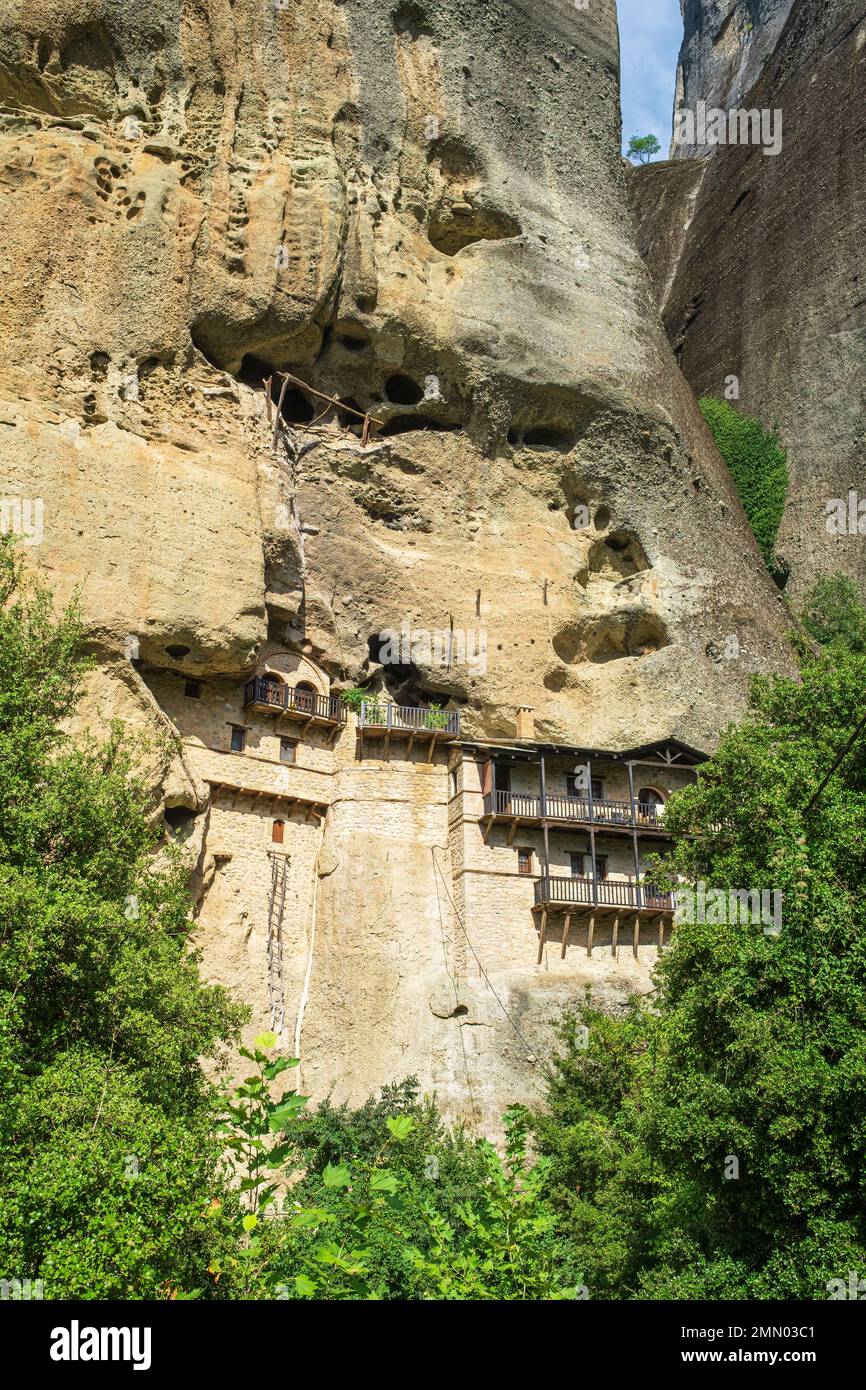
[(277, 830)]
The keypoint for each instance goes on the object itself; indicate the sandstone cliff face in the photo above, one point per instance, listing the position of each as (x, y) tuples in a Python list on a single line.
[(726, 45), (417, 209), (757, 265), (374, 197)]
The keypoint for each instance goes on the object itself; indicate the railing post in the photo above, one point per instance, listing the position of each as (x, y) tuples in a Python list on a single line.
[(638, 902)]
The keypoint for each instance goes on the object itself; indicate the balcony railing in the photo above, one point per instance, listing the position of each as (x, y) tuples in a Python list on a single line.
[(609, 892), (578, 809), (411, 719), (278, 697)]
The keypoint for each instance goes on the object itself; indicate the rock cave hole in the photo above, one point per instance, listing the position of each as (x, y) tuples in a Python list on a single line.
[(458, 225), (297, 407), (555, 437), (402, 390)]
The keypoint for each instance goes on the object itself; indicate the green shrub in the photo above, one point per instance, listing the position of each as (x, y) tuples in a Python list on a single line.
[(833, 613), (759, 468), (436, 718)]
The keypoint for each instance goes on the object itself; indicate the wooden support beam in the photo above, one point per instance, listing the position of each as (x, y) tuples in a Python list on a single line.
[(565, 930), (590, 934), (636, 933), (615, 934), (511, 831), (661, 933), (541, 935)]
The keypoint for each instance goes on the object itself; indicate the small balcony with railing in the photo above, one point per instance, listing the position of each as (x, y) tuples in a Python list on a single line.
[(580, 811), (424, 723), (270, 695), (576, 893)]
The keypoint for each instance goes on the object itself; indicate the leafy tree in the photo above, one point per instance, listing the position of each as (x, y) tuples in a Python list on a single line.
[(759, 468), (643, 148), (107, 1142), (833, 613), (712, 1142)]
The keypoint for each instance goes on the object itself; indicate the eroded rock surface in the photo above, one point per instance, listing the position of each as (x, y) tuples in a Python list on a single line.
[(758, 268), (726, 45)]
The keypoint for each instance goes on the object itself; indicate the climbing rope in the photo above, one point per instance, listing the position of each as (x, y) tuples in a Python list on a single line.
[(531, 1051)]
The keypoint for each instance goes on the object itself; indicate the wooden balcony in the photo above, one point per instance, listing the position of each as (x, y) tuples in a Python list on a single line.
[(607, 900), (421, 722), (266, 695), (616, 816), (607, 893)]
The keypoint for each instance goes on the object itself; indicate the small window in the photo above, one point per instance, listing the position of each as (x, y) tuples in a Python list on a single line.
[(524, 861), (597, 789), (192, 690), (239, 738), (452, 777), (288, 750), (577, 865), (277, 831), (601, 866)]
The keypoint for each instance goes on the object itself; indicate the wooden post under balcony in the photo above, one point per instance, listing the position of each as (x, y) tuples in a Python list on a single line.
[(565, 930), (541, 935)]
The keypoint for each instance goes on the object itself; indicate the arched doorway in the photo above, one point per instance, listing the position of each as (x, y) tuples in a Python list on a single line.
[(305, 696), (650, 805), (271, 689)]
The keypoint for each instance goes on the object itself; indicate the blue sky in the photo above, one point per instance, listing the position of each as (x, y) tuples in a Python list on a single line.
[(650, 34)]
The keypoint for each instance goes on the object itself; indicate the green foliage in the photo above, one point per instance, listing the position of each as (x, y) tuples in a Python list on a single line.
[(106, 1122), (384, 1202), (752, 1047), (759, 468), (833, 613), (643, 148), (501, 1245), (436, 718), (354, 698)]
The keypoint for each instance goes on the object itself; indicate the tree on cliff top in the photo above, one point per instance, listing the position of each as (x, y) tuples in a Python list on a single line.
[(643, 148)]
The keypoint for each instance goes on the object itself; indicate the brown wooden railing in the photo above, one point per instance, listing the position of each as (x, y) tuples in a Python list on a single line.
[(279, 696), (381, 714), (609, 892), (571, 808)]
